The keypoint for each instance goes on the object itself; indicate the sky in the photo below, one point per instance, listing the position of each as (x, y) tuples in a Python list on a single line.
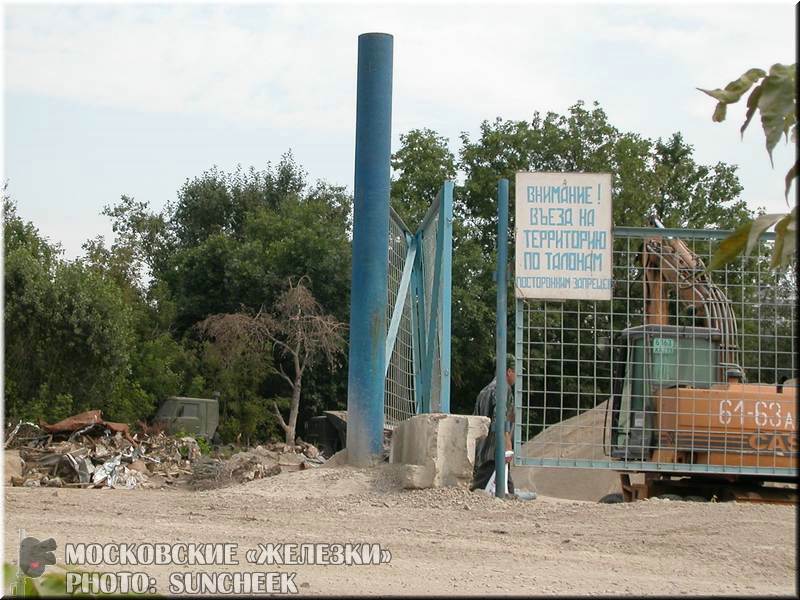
[(102, 100)]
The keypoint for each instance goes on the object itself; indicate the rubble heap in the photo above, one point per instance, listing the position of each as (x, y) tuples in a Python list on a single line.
[(87, 452), (241, 467)]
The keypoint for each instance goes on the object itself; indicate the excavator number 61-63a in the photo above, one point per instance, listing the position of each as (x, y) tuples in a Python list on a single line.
[(680, 395)]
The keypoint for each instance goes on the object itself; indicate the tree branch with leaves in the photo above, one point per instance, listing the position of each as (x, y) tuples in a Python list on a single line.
[(775, 98)]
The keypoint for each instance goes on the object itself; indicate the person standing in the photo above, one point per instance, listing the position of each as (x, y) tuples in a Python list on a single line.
[(485, 447)]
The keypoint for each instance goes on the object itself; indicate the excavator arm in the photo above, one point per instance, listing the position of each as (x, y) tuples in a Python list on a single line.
[(669, 264)]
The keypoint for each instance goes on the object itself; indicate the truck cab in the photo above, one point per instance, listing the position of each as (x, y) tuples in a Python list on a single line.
[(198, 417)]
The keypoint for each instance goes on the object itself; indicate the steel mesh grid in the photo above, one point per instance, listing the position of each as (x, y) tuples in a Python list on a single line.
[(399, 398), (571, 355), (428, 246)]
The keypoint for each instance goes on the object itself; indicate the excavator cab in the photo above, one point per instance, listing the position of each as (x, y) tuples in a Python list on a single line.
[(650, 358)]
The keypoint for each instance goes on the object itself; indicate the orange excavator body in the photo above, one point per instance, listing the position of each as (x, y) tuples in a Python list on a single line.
[(733, 425)]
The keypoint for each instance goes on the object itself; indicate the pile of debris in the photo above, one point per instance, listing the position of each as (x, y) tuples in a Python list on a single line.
[(258, 462), (87, 452)]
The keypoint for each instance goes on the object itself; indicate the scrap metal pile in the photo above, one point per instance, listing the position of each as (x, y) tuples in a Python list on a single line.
[(87, 452)]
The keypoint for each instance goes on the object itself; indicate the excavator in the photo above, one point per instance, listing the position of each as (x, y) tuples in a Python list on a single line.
[(681, 410)]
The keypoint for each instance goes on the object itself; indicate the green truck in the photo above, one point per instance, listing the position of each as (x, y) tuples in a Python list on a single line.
[(198, 417)]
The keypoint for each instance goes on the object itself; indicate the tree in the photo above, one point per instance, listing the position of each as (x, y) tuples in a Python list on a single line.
[(159, 365), (649, 175), (422, 164), (775, 98), (142, 239), (235, 360), (68, 332), (304, 334), (231, 240), (300, 332), (219, 202)]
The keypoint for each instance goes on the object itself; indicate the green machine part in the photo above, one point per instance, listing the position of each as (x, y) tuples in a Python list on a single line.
[(653, 357)]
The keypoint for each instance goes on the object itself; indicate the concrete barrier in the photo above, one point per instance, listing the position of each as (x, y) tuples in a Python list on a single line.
[(437, 450)]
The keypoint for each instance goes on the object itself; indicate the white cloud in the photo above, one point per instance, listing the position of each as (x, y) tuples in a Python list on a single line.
[(177, 62), (294, 67)]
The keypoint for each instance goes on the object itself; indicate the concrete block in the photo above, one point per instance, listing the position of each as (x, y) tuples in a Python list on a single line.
[(436, 449)]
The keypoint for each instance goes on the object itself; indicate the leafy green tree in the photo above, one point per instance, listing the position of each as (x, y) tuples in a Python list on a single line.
[(68, 332), (648, 175), (236, 367), (219, 202), (308, 236), (231, 240), (142, 240), (421, 165), (159, 365)]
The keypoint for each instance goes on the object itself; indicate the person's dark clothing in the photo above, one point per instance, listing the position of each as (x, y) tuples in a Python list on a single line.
[(485, 447)]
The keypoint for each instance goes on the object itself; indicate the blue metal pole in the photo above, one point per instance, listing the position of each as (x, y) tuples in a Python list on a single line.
[(369, 287), (502, 309)]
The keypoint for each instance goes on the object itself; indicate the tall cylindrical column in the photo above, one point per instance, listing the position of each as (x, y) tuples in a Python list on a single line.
[(369, 287), (500, 351)]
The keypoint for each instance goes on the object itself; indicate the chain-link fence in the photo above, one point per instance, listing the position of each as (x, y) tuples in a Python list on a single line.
[(683, 371)]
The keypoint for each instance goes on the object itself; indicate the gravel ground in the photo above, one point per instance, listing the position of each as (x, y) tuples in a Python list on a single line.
[(442, 541)]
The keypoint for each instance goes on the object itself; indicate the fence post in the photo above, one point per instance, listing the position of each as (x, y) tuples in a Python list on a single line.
[(420, 311), (365, 382), (446, 240), (519, 307), (500, 353)]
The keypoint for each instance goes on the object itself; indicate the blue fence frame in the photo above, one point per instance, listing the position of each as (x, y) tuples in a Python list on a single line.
[(427, 275)]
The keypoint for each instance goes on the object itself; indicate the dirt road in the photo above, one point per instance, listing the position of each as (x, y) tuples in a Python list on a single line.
[(446, 541)]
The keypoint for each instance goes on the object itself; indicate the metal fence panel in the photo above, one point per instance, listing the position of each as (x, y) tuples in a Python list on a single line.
[(603, 385), (399, 398), (418, 313)]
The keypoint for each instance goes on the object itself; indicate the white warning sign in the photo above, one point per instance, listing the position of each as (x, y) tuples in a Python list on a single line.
[(563, 236)]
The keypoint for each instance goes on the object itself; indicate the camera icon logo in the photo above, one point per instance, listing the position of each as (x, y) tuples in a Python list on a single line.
[(34, 555)]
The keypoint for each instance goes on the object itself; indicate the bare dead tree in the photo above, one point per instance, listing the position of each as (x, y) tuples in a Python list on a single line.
[(235, 341), (297, 328), (235, 335), (301, 331)]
